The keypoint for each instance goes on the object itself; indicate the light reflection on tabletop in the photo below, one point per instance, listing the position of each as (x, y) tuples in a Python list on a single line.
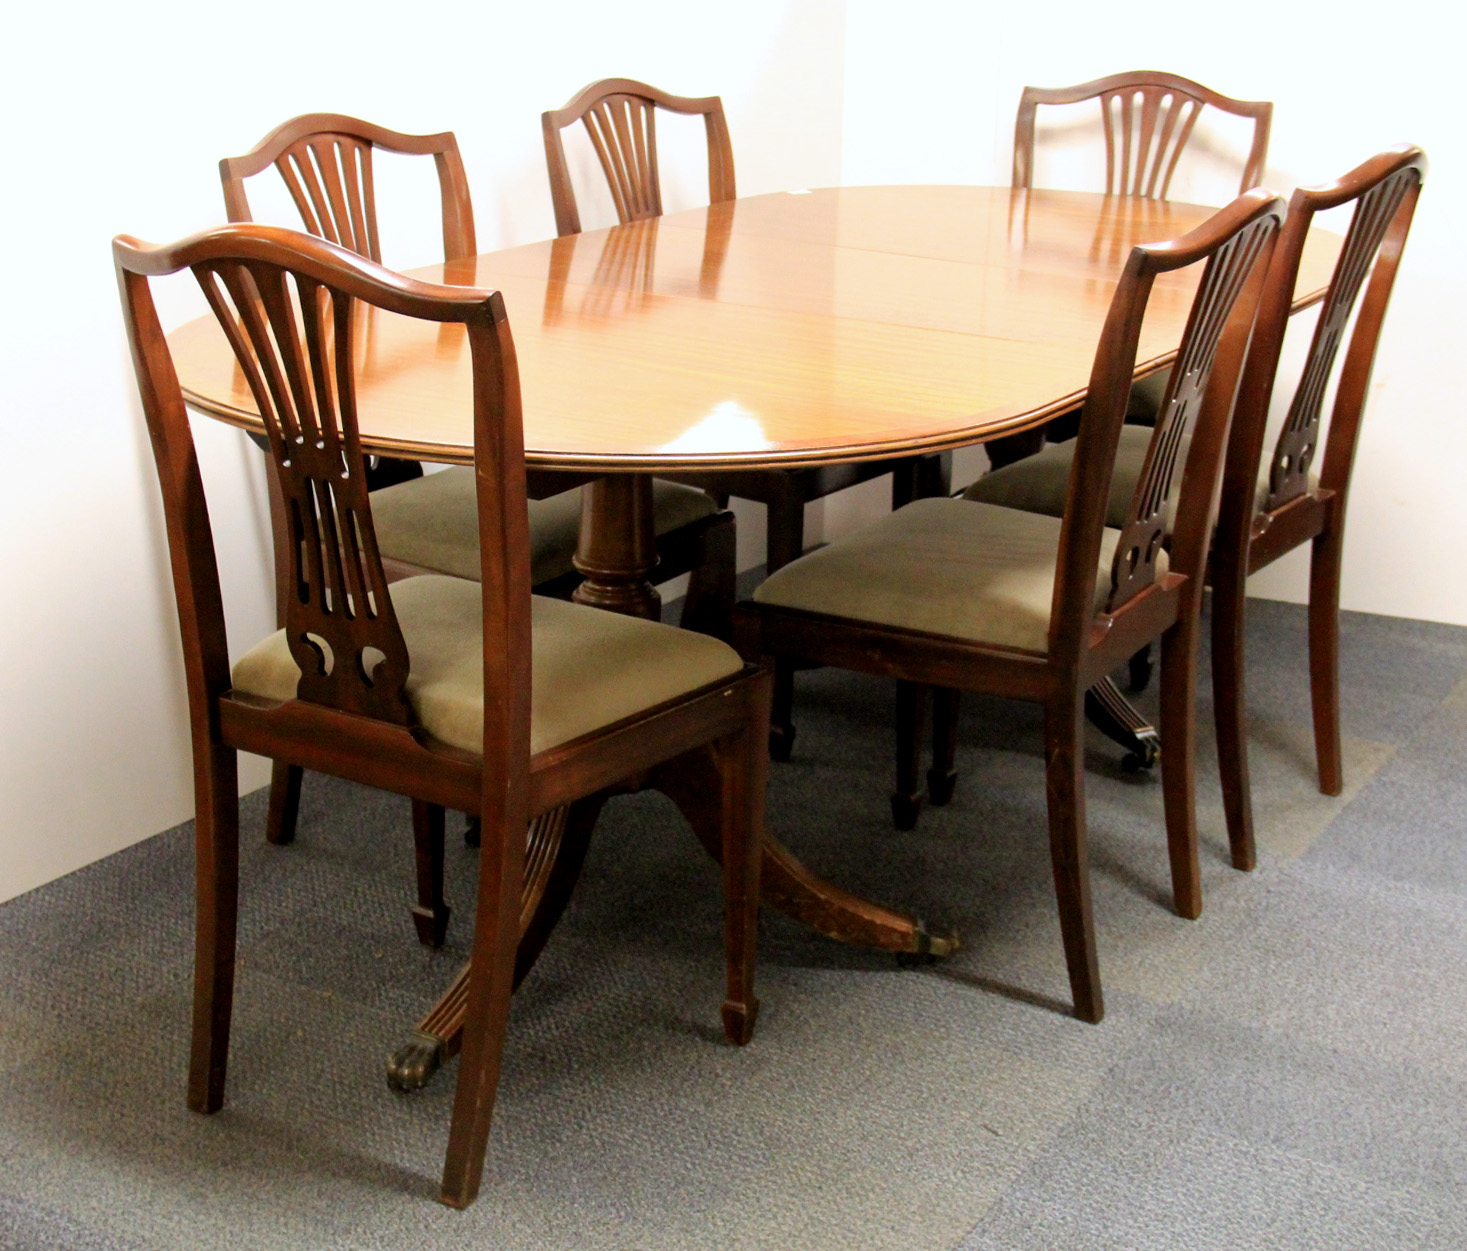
[(794, 328)]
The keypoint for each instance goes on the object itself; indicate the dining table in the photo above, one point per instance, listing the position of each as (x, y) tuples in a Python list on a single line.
[(806, 327)]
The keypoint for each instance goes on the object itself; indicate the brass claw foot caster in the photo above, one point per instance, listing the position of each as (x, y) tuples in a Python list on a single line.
[(928, 947), (411, 1066), (1148, 748)]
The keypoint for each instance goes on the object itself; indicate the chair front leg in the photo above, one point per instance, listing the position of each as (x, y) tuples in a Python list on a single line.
[(216, 903), (708, 606), (1065, 794), (743, 766), (1324, 654), (911, 707), (285, 802), (942, 778), (1179, 762), (1229, 699), (430, 914)]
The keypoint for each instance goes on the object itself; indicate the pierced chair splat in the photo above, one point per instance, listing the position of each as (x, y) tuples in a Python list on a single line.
[(471, 695), (429, 524), (951, 594)]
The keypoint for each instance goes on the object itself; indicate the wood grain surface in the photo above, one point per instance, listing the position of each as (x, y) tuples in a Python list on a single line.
[(815, 327)]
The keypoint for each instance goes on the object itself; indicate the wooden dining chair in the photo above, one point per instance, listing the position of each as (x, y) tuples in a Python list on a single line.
[(1300, 493), (1147, 118), (429, 524), (619, 115), (1271, 506), (471, 695), (951, 594)]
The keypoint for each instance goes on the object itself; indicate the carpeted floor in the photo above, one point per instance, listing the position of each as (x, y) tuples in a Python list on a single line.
[(1289, 1071)]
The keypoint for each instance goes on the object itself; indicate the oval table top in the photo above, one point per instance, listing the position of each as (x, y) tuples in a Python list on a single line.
[(844, 324)]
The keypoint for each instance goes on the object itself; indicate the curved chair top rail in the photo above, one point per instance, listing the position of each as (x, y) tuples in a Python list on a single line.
[(1385, 190), (326, 162), (286, 302), (620, 116), (1148, 117), (1235, 245)]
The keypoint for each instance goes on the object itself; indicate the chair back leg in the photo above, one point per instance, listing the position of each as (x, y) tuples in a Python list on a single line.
[(743, 764), (486, 1018), (285, 802), (1230, 704), (1324, 656), (216, 904), (430, 913), (1179, 761), (1065, 792), (911, 708)]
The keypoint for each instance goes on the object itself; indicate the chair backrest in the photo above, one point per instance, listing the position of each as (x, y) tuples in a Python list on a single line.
[(1384, 190), (1235, 246), (326, 161), (1147, 117), (620, 116), (287, 304)]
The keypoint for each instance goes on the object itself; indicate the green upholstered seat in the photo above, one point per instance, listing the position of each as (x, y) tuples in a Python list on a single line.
[(1037, 483), (942, 566), (433, 522), (589, 668)]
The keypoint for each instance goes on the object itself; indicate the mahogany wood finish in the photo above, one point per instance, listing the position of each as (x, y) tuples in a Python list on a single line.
[(1143, 603), (325, 160), (288, 305), (620, 116), (1298, 509), (1147, 116), (978, 315)]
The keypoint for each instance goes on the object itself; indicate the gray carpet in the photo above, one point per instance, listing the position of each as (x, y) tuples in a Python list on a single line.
[(1288, 1071)]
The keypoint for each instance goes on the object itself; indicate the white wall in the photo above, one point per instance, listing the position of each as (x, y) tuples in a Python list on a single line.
[(129, 109), (119, 116), (931, 90)]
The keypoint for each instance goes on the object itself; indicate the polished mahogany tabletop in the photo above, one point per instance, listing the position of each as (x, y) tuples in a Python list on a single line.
[(803, 327)]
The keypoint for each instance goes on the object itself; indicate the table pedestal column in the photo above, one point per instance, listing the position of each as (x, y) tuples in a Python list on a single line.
[(616, 552), (618, 546)]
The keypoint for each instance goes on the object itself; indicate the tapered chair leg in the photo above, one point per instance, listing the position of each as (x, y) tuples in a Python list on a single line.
[(430, 913), (491, 982), (1065, 794), (785, 541), (1229, 699), (906, 800), (785, 537), (285, 801), (708, 606), (1324, 657), (1138, 670), (781, 715), (942, 778), (744, 769), (1179, 762), (216, 909)]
